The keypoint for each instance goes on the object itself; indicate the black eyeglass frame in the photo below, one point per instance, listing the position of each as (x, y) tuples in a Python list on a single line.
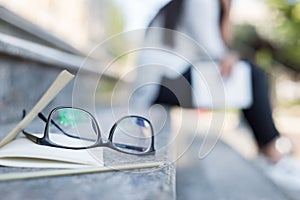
[(45, 140)]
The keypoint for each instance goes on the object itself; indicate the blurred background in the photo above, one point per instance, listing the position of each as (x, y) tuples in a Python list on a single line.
[(266, 32)]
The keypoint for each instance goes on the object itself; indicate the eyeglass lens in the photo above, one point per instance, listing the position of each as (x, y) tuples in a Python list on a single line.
[(133, 135), (72, 128)]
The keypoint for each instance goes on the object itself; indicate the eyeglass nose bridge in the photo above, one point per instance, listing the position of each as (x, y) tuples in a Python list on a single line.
[(108, 143), (105, 142)]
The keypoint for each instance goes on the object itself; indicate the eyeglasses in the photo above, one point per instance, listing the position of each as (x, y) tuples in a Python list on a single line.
[(75, 128)]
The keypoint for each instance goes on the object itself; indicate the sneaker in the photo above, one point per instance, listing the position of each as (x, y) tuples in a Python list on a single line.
[(285, 173)]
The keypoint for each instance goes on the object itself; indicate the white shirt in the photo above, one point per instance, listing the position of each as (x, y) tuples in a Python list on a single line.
[(201, 21), (198, 37)]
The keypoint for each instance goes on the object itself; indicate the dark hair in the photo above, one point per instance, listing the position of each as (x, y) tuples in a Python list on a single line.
[(171, 13)]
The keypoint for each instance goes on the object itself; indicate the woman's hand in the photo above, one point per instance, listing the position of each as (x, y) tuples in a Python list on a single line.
[(227, 63)]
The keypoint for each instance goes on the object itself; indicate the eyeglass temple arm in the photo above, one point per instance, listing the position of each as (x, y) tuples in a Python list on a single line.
[(31, 137), (40, 115)]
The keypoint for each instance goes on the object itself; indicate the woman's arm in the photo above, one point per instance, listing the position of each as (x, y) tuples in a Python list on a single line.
[(229, 60), (226, 26)]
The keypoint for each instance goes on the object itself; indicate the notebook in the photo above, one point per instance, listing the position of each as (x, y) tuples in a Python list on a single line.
[(22, 152), (212, 91)]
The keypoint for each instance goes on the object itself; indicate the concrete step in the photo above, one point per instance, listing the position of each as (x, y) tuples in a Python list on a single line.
[(223, 174)]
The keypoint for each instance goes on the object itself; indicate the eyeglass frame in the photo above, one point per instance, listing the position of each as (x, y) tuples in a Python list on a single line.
[(100, 142)]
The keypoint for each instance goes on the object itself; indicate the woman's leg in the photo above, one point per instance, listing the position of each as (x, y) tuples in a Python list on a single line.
[(176, 92), (259, 115)]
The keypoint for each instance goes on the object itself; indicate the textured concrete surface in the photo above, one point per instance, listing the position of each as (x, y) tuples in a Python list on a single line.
[(14, 25), (27, 70), (152, 183), (223, 174), (194, 176)]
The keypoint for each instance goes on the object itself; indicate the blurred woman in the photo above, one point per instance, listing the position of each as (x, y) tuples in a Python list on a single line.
[(207, 22)]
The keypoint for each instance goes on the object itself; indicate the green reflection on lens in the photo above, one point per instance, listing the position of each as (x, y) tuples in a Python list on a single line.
[(70, 117)]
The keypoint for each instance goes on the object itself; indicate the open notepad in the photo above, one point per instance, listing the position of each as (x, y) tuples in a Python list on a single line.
[(22, 152)]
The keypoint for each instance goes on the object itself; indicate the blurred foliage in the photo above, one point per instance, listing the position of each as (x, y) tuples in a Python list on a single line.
[(288, 31), (282, 45), (115, 18), (252, 46), (115, 26)]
